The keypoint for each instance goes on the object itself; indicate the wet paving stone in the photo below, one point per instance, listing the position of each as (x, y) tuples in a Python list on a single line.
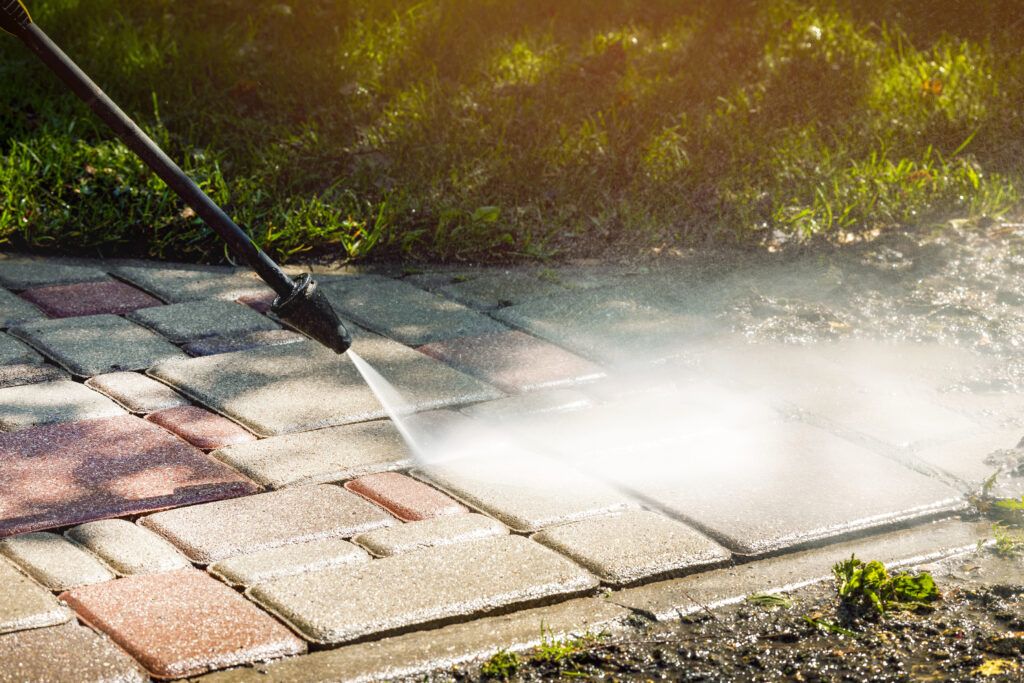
[(31, 373), (513, 361), (15, 310), (288, 560), (21, 274), (970, 460), (404, 312), (243, 342), (89, 298), (544, 402), (182, 623), (14, 352), (69, 653), (633, 546), (195, 320), (405, 498), (493, 290), (303, 386), (176, 285), (93, 469), (215, 531), (200, 427), (135, 392), (430, 533), (324, 455), (425, 587), (25, 604), (97, 344), (54, 561), (128, 548), (32, 405)]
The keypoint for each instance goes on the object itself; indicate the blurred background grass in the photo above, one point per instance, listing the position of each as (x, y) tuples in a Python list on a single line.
[(516, 129)]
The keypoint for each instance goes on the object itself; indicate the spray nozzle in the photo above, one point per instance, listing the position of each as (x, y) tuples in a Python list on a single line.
[(308, 311)]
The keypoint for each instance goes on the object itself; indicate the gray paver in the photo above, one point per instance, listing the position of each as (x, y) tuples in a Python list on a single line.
[(303, 386), (430, 533), (698, 592), (29, 373), (14, 310), (495, 290), (14, 352), (404, 312), (176, 285), (54, 561), (128, 548), (50, 402), (23, 274), (97, 344), (320, 456), (288, 560), (24, 603), (633, 546), (136, 392), (215, 531), (424, 587), (194, 320), (68, 653), (525, 492)]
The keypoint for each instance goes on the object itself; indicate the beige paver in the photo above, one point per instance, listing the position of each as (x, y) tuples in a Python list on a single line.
[(49, 402), (430, 533), (24, 603), (136, 392), (295, 558), (128, 548), (54, 561), (69, 653)]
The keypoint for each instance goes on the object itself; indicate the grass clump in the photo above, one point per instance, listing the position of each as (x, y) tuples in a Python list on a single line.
[(870, 585), (502, 664)]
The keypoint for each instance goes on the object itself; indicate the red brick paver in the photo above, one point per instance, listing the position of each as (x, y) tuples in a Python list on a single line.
[(200, 427), (73, 472), (182, 623), (405, 498), (260, 302), (89, 298)]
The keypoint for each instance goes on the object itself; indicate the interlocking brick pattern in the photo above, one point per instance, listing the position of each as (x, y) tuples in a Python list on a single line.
[(128, 548), (54, 561)]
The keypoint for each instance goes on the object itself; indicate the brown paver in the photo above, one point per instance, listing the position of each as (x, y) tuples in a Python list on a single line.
[(29, 373), (24, 603), (182, 623), (89, 298), (128, 548), (514, 361), (215, 531), (54, 561), (243, 342), (65, 654), (200, 427), (258, 301), (430, 533), (288, 560), (404, 497), (136, 392), (75, 472)]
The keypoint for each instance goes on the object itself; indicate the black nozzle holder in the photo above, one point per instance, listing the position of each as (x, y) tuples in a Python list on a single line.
[(308, 310), (300, 304)]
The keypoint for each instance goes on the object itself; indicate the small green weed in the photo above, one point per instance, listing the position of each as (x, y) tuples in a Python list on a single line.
[(870, 584), (770, 600), (1008, 542), (502, 664)]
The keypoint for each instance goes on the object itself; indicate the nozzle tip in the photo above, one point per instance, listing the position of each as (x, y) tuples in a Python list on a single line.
[(307, 310)]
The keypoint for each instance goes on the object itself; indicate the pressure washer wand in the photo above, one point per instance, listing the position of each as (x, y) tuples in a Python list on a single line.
[(299, 303)]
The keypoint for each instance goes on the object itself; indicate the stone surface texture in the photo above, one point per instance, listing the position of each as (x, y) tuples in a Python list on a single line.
[(516, 407), (182, 623), (47, 403), (136, 392), (405, 498), (424, 587), (25, 604), (430, 533), (242, 342), (296, 558), (54, 561), (200, 427), (128, 548), (89, 298), (194, 320), (492, 290), (65, 654), (176, 285), (26, 273), (29, 373), (14, 352), (215, 531), (97, 344), (14, 310), (82, 471)]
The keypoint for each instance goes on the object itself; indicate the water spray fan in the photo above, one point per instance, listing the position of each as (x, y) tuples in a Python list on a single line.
[(299, 303)]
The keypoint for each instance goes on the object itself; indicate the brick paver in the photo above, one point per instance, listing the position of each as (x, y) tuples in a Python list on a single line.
[(136, 392), (97, 344), (288, 560), (215, 531), (128, 548), (24, 603), (29, 373), (65, 653), (182, 623), (187, 322), (89, 298), (200, 427), (423, 587), (243, 342), (405, 498), (498, 289), (176, 285), (430, 533), (14, 310), (261, 303), (519, 406), (46, 403), (81, 471), (25, 273), (54, 561), (14, 352)]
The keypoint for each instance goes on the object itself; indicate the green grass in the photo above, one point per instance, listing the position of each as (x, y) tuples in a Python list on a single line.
[(869, 584), (500, 129)]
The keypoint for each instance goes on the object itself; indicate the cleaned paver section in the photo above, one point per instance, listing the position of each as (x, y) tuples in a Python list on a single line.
[(541, 402), (176, 285), (24, 603), (89, 298), (243, 342), (75, 472), (54, 561), (182, 623), (633, 546), (14, 352), (405, 498), (97, 344), (296, 558), (14, 310), (215, 531), (404, 312), (495, 290), (525, 492), (26, 273), (971, 460), (69, 653), (425, 587), (136, 392), (200, 427), (324, 455), (430, 533), (128, 548), (45, 403), (194, 320), (29, 373), (514, 361), (304, 386)]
